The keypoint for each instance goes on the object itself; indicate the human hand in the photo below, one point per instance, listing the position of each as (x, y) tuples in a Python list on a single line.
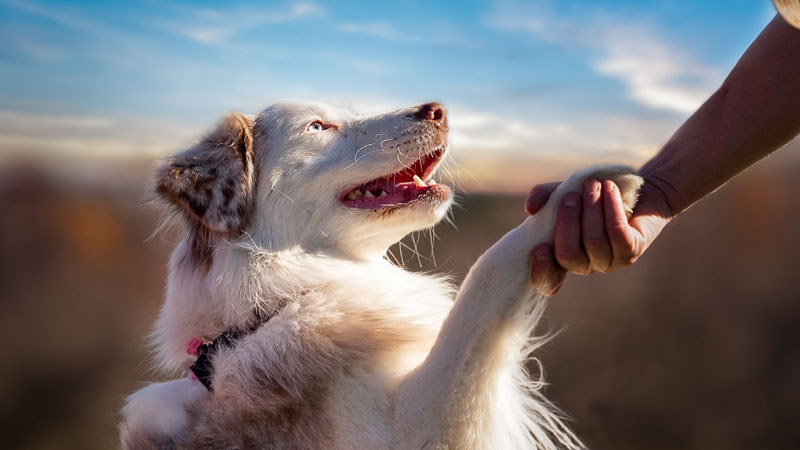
[(593, 233)]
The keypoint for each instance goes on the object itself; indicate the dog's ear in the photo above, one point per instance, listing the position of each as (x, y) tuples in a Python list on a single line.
[(212, 181)]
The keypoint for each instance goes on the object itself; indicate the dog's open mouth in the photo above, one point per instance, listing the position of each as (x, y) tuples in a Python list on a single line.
[(399, 188)]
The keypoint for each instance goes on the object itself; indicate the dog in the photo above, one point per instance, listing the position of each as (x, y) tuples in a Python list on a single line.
[(301, 334)]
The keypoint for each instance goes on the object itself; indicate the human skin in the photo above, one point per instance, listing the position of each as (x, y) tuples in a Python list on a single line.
[(755, 111)]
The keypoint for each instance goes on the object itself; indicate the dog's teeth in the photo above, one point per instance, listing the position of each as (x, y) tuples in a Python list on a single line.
[(383, 194), (355, 194), (432, 182), (369, 194), (418, 181)]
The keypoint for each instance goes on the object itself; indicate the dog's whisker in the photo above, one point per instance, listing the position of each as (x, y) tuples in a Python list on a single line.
[(357, 160), (432, 236), (400, 251), (394, 258), (414, 236), (406, 246), (384, 142)]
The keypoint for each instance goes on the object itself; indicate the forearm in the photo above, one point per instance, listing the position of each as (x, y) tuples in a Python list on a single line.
[(753, 113)]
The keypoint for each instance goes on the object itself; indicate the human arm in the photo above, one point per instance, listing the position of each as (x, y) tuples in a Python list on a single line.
[(753, 113)]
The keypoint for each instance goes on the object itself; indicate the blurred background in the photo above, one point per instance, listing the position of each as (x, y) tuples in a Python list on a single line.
[(694, 347)]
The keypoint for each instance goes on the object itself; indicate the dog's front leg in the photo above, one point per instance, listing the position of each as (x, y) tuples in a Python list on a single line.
[(157, 417), (472, 391)]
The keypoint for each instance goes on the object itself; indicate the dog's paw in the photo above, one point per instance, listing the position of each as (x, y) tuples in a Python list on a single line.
[(544, 221), (623, 176), (158, 413)]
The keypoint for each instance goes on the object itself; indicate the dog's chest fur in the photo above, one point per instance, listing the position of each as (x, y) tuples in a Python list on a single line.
[(324, 368)]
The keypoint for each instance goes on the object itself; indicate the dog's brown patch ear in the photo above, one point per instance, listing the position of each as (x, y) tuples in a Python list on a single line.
[(212, 181)]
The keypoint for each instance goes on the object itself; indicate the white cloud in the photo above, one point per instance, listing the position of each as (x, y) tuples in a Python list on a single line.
[(215, 26), (381, 29), (19, 121), (478, 130), (657, 73), (48, 134), (443, 34), (55, 15), (631, 139), (202, 25), (505, 153)]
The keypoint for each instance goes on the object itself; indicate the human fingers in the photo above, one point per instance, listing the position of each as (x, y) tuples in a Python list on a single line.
[(538, 196), (627, 244), (567, 237), (547, 276), (593, 230)]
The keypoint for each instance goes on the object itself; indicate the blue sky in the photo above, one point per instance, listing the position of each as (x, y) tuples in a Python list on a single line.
[(535, 89)]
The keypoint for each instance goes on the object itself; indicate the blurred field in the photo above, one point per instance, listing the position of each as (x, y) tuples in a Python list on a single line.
[(695, 347)]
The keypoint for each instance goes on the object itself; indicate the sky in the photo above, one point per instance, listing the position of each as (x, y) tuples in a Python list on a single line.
[(533, 89)]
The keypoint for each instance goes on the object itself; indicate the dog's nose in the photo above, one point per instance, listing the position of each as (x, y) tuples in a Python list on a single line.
[(432, 111)]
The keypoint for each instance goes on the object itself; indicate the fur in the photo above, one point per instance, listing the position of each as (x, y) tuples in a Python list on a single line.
[(359, 353)]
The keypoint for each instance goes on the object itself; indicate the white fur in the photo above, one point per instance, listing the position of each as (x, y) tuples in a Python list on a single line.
[(161, 407), (402, 365)]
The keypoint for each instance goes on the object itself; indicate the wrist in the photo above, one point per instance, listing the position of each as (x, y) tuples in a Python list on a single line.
[(659, 196), (658, 184)]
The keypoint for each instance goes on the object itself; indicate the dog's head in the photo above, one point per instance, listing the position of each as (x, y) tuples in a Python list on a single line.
[(312, 176)]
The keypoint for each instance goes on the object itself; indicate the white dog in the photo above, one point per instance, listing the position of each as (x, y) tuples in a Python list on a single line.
[(302, 335)]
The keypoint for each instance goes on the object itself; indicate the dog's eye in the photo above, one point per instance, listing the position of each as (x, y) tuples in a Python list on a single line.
[(319, 125)]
